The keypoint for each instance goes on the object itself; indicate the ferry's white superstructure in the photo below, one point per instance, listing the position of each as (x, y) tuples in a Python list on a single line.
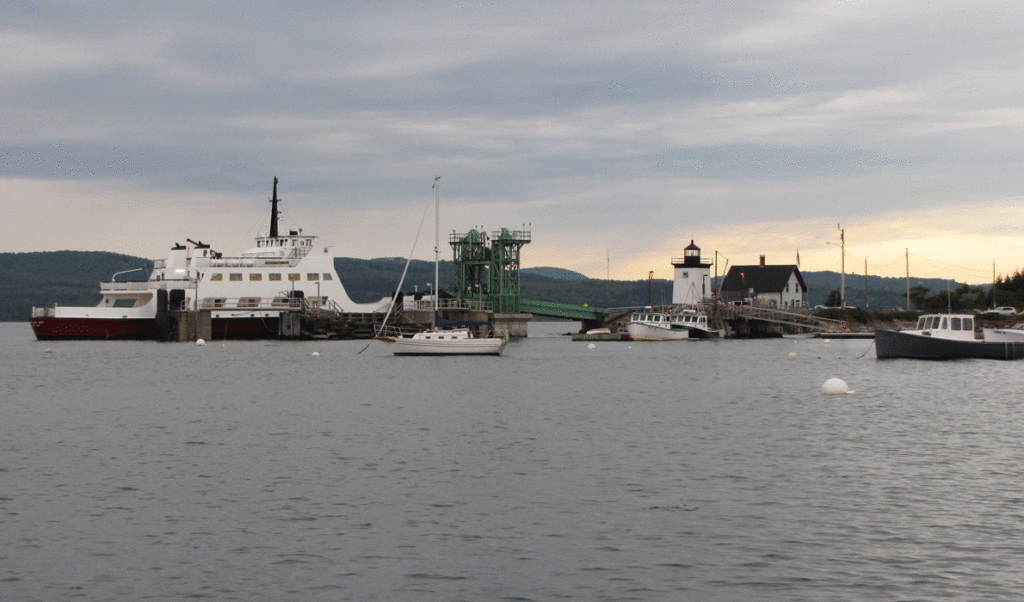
[(246, 295)]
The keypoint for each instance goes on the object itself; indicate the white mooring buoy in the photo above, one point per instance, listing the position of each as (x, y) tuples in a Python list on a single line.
[(200, 342), (315, 354), (591, 346), (835, 386), (792, 354)]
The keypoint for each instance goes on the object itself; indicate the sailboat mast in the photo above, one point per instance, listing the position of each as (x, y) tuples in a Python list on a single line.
[(437, 246)]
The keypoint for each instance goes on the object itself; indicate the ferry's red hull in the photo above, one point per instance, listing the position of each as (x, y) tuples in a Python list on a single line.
[(144, 329), (139, 329)]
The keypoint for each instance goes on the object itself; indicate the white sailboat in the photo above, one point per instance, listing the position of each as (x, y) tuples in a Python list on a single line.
[(437, 341)]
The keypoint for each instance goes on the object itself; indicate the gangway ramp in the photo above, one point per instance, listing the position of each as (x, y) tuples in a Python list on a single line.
[(566, 311), (778, 316)]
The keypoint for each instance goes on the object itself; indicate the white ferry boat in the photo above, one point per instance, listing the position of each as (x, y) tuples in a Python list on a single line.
[(246, 295)]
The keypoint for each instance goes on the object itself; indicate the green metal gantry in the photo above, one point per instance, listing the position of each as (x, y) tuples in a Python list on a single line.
[(487, 267)]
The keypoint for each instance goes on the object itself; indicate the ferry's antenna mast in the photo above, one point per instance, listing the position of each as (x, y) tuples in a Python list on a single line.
[(273, 211)]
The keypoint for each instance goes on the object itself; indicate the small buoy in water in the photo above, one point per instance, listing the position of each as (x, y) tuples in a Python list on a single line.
[(835, 386), (200, 342), (591, 346), (48, 350), (792, 354), (315, 354)]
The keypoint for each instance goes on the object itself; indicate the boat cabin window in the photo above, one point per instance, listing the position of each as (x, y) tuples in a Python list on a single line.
[(312, 276), (235, 277), (216, 277), (969, 324), (945, 324), (294, 277), (274, 277), (255, 277), (327, 276), (249, 302), (954, 323), (922, 323)]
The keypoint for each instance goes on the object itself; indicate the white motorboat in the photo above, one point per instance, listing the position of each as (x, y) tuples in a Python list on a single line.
[(245, 295), (442, 341)]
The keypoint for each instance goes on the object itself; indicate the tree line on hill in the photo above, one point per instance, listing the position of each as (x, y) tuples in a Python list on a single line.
[(71, 278)]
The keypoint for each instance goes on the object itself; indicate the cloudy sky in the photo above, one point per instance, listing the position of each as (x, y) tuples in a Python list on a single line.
[(615, 131)]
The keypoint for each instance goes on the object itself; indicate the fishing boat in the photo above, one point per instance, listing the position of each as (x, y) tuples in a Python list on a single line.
[(438, 340), (941, 337), (245, 295), (650, 325), (696, 322), (684, 323)]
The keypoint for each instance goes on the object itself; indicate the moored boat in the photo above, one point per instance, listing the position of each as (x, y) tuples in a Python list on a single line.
[(245, 295), (941, 337), (438, 340), (650, 325)]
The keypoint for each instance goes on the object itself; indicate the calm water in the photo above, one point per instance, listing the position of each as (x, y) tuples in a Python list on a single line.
[(644, 471)]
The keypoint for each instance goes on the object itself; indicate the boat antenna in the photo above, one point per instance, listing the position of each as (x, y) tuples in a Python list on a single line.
[(273, 211)]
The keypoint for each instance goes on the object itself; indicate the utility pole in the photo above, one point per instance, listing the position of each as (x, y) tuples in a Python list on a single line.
[(842, 247), (994, 305), (867, 304)]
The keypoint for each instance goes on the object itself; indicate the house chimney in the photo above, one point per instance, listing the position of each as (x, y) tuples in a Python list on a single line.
[(762, 261)]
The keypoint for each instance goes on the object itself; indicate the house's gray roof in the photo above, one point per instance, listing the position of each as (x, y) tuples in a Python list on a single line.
[(761, 278)]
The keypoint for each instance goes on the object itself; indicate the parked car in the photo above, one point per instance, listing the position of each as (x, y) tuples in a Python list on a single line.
[(1003, 311)]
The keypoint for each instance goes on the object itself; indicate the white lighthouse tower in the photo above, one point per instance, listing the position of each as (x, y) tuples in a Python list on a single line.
[(692, 282)]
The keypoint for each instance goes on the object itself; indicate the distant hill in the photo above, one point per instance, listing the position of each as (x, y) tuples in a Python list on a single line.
[(72, 278), (554, 273)]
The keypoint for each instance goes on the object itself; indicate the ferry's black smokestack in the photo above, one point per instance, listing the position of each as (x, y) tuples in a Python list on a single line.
[(273, 211)]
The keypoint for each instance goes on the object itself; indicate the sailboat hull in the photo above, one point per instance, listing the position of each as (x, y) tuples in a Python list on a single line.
[(410, 346)]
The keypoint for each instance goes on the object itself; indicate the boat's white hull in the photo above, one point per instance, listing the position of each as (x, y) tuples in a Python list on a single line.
[(640, 331), (445, 342), (470, 347)]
